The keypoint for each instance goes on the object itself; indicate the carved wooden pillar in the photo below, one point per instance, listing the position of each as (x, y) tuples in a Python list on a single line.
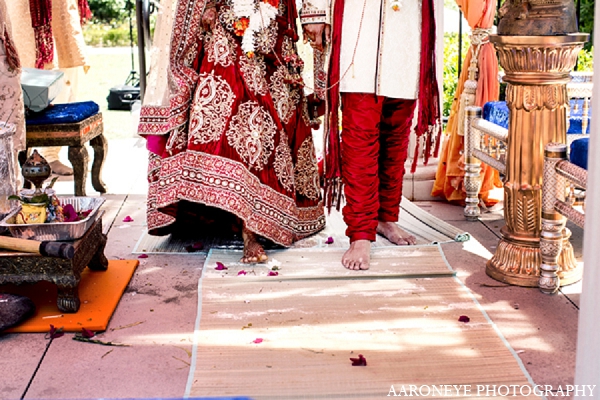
[(537, 70)]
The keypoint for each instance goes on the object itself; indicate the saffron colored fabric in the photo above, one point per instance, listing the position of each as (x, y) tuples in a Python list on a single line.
[(240, 140), (450, 173), (374, 150)]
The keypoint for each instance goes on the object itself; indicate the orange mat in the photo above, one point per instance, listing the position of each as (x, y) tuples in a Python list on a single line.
[(99, 292)]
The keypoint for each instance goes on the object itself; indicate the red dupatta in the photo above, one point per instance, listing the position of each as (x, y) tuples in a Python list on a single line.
[(429, 119), (41, 18)]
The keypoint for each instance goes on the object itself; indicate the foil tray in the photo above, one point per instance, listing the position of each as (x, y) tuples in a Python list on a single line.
[(56, 230)]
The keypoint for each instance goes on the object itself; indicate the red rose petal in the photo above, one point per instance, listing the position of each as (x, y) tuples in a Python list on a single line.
[(242, 272), (128, 219), (257, 340), (464, 318), (69, 213), (359, 362), (86, 333), (55, 333), (273, 273), (143, 256), (329, 240), (220, 266)]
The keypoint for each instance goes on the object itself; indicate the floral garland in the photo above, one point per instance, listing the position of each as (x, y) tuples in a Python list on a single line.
[(251, 19), (396, 5)]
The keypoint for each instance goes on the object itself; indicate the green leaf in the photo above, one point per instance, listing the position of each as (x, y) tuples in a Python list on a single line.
[(51, 184), (42, 198), (15, 197)]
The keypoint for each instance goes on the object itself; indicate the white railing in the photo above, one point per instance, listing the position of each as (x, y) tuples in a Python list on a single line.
[(484, 142), (560, 176)]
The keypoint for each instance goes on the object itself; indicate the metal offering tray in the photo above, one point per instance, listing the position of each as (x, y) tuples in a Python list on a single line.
[(56, 230)]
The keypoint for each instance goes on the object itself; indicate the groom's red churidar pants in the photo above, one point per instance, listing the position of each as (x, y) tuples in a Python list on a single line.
[(375, 134)]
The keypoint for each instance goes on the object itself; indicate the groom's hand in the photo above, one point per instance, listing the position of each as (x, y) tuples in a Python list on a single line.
[(317, 34)]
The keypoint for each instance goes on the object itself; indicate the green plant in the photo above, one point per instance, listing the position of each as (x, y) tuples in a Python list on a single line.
[(111, 11), (450, 74), (39, 199), (104, 35), (585, 60)]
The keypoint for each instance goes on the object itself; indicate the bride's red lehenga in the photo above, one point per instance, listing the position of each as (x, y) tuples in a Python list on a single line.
[(235, 134)]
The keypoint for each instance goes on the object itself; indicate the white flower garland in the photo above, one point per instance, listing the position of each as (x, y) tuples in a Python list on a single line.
[(396, 5), (258, 18)]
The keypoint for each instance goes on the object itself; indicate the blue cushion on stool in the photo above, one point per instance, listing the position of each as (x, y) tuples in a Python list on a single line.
[(67, 113), (497, 113), (579, 152)]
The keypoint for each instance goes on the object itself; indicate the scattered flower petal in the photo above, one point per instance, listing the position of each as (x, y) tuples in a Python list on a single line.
[(329, 240), (86, 333), (242, 272), (359, 362), (257, 340), (273, 273), (143, 256), (69, 213), (220, 266), (464, 318), (128, 219), (55, 332)]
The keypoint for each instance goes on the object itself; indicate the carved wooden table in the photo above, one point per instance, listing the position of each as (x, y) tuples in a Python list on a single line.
[(75, 135), (18, 268)]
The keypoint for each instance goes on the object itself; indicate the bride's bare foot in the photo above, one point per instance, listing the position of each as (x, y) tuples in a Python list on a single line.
[(392, 232), (253, 251), (358, 255)]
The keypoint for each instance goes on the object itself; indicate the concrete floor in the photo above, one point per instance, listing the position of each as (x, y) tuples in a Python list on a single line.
[(156, 314)]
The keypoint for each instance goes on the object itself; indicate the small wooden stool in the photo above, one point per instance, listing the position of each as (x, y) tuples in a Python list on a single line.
[(74, 135)]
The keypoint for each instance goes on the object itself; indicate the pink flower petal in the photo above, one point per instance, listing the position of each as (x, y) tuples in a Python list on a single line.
[(273, 273), (194, 247), (242, 272), (69, 213), (257, 340), (464, 318), (220, 266), (128, 219), (329, 240), (86, 333), (359, 362), (55, 333), (143, 256)]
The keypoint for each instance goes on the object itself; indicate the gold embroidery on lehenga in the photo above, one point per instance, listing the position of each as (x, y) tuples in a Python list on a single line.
[(251, 133), (305, 114), (284, 98), (284, 167), (220, 50), (266, 39), (287, 48), (306, 172), (211, 109), (227, 17), (177, 141), (190, 55), (254, 72)]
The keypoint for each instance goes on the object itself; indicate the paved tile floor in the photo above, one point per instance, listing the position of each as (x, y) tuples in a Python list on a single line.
[(157, 312)]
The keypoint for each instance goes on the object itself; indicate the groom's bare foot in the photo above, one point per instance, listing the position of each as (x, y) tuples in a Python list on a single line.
[(358, 255), (253, 251), (392, 232)]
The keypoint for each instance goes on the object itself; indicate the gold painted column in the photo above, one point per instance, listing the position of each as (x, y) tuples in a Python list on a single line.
[(537, 70)]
